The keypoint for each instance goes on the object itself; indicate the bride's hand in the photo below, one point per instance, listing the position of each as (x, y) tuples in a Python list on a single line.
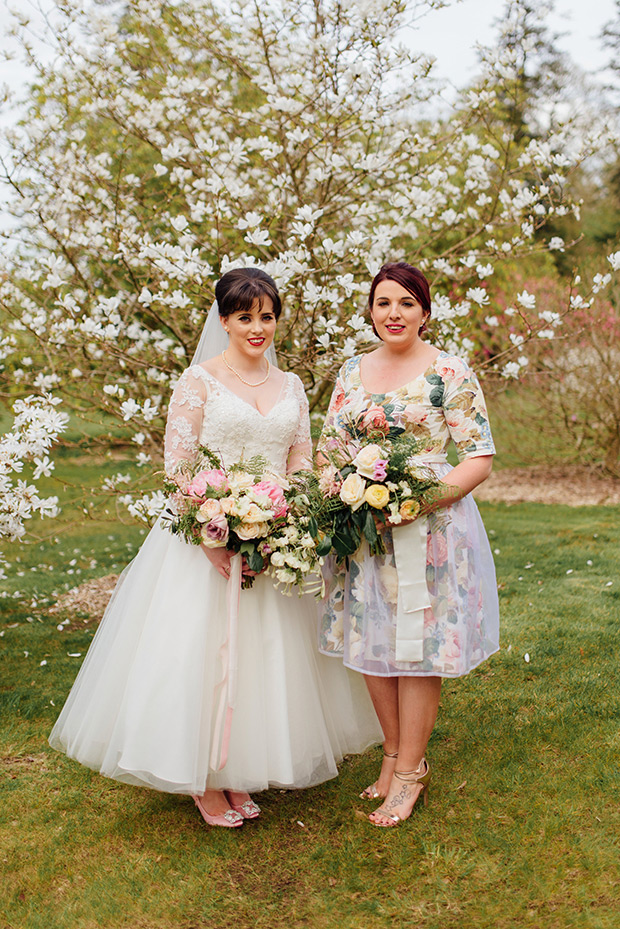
[(220, 559), (247, 571)]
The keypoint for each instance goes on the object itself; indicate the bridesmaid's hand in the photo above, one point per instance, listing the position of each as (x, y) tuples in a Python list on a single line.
[(220, 559)]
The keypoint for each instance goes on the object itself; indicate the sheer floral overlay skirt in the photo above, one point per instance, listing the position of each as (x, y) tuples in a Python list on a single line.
[(461, 628), (143, 708)]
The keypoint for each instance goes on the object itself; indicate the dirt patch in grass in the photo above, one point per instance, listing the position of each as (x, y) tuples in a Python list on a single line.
[(91, 598), (571, 485)]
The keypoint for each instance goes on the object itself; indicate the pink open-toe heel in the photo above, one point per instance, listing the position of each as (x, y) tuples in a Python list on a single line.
[(229, 819), (248, 809)]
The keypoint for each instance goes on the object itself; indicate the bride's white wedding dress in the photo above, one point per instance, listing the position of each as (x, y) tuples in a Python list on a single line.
[(143, 707)]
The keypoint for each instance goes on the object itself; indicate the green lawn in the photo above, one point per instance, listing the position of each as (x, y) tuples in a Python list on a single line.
[(522, 827)]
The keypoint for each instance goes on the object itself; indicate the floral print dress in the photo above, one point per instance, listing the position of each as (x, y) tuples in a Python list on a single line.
[(461, 627)]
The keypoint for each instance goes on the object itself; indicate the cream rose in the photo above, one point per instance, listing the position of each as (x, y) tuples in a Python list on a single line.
[(256, 514), (352, 491), (366, 458), (247, 531), (240, 480), (208, 510), (377, 495)]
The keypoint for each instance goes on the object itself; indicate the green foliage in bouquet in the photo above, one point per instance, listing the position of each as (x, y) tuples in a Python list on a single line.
[(382, 483)]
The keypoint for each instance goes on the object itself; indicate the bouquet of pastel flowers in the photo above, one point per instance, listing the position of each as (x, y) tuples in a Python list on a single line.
[(245, 508), (364, 485)]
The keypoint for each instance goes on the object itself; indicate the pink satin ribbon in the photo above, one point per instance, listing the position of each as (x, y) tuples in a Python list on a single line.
[(226, 689)]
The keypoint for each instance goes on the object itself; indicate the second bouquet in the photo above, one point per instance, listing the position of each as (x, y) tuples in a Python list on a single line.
[(367, 485)]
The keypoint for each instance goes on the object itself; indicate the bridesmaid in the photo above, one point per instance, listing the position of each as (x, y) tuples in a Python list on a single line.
[(435, 396)]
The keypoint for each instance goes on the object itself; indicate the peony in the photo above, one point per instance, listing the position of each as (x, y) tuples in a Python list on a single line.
[(215, 533), (208, 510), (216, 478), (352, 491), (275, 497), (366, 459), (409, 509), (377, 495), (212, 478)]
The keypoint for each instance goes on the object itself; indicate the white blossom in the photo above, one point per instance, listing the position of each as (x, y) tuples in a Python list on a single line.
[(614, 260), (527, 300)]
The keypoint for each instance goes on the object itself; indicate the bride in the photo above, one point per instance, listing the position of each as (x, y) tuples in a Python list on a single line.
[(146, 707)]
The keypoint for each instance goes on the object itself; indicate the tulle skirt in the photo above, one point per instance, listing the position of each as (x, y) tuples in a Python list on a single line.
[(461, 627), (143, 707)]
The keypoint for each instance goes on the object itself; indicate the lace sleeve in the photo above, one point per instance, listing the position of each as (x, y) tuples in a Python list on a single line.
[(300, 452), (184, 419)]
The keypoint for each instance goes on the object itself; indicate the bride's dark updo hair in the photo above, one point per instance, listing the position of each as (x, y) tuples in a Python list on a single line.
[(239, 288), (408, 277)]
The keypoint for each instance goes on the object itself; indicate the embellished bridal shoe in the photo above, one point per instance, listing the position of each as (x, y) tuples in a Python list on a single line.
[(421, 775), (371, 793), (229, 819), (247, 810)]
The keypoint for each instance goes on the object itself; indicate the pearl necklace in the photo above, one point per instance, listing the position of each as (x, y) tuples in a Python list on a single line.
[(242, 379)]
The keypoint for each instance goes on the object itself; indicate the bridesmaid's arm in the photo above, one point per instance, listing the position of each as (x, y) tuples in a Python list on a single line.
[(460, 481)]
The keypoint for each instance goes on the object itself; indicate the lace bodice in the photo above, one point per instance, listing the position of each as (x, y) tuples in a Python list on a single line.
[(204, 412)]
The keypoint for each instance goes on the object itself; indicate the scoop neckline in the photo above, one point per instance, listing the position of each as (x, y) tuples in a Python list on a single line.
[(394, 390)]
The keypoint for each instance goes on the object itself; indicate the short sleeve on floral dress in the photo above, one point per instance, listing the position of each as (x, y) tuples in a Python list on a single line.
[(461, 628)]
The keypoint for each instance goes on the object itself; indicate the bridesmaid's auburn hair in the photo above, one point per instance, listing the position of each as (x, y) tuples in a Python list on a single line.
[(238, 289), (408, 277)]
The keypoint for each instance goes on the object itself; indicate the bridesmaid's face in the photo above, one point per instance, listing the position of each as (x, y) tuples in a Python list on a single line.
[(397, 315), (251, 332)]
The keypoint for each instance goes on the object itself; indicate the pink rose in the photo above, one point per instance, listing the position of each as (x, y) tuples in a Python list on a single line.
[(215, 532), (213, 478), (374, 419), (452, 370), (439, 549), (338, 399), (275, 494), (451, 648)]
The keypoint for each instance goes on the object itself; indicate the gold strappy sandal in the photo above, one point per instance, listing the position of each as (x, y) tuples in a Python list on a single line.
[(422, 775), (371, 793)]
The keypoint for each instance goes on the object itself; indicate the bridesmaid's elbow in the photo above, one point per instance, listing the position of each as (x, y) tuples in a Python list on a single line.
[(485, 467)]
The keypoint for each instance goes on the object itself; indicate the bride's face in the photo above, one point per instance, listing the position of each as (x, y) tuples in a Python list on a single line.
[(251, 332)]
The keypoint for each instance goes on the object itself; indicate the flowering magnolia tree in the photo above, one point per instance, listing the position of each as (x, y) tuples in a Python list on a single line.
[(36, 426), (171, 141)]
